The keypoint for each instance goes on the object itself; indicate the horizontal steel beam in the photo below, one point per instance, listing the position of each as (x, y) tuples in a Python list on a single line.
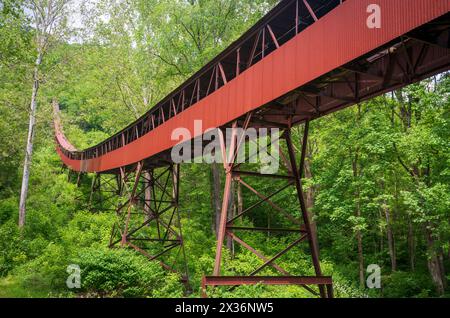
[(266, 280), (301, 62), (256, 174), (264, 229)]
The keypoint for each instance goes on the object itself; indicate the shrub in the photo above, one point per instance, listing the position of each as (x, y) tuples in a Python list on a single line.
[(123, 273), (46, 272), (402, 284)]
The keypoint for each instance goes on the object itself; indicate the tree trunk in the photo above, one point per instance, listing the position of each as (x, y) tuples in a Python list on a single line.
[(390, 238), (309, 201), (441, 267), (411, 246), (381, 245), (216, 198), (240, 202), (434, 265), (30, 140), (358, 232), (231, 205), (360, 254), (434, 259), (147, 196), (448, 251)]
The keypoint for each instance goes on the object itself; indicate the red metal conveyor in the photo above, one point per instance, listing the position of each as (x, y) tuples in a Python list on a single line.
[(303, 60)]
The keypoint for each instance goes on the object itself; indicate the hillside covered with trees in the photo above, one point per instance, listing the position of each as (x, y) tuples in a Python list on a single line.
[(377, 174)]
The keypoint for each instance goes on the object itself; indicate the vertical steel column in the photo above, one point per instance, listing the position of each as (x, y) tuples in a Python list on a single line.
[(131, 202), (149, 221), (228, 165), (176, 195), (302, 227), (297, 173), (95, 189)]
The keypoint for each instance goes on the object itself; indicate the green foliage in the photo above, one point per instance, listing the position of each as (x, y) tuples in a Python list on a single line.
[(87, 230), (407, 285), (121, 273), (46, 272), (15, 88)]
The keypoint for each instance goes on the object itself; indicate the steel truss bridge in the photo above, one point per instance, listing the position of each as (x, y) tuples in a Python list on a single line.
[(303, 60)]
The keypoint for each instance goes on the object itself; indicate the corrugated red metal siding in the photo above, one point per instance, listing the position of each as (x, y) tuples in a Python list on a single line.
[(336, 39)]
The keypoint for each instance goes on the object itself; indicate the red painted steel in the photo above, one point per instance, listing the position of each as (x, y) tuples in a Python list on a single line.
[(268, 280), (336, 39)]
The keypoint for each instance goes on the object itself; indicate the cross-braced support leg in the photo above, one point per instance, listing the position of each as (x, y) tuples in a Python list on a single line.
[(302, 227), (148, 219), (105, 188), (297, 174)]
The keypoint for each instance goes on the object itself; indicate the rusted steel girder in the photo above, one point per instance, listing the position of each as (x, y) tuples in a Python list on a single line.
[(280, 25), (267, 280), (228, 229), (148, 218), (286, 56), (105, 189)]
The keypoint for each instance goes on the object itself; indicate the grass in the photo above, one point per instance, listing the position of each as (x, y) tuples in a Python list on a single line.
[(10, 288)]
